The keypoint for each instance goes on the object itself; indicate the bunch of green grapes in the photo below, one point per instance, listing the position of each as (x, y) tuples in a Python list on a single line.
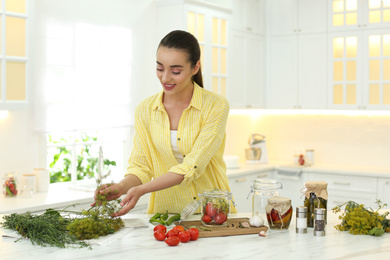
[(359, 220)]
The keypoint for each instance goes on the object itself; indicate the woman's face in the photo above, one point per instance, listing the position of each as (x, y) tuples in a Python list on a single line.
[(174, 70)]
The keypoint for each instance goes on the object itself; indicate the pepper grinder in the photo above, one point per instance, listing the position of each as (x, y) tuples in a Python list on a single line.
[(319, 222)]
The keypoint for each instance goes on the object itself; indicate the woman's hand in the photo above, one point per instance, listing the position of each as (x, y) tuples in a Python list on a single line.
[(129, 201), (112, 191)]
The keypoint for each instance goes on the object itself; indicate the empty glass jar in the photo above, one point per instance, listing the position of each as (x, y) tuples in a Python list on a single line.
[(261, 190)]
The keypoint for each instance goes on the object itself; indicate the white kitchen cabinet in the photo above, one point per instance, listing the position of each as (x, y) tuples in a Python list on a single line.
[(343, 188), (359, 69), (347, 15), (297, 71), (384, 190), (293, 181), (209, 24), (248, 16), (240, 187), (246, 70), (296, 16)]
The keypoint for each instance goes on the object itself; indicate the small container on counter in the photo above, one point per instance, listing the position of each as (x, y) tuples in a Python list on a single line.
[(215, 207), (10, 188), (301, 220), (319, 222), (279, 212), (261, 190), (316, 196)]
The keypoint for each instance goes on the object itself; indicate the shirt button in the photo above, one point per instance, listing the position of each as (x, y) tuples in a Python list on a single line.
[(195, 167), (178, 139)]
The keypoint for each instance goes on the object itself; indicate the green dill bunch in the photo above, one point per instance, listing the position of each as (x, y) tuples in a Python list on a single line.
[(357, 219), (47, 229), (94, 226)]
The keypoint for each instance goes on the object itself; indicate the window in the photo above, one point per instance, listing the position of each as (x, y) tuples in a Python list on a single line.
[(82, 93)]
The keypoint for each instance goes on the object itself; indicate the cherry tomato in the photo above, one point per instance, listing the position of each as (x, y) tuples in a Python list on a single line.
[(172, 233), (160, 227), (206, 219), (220, 218), (210, 210), (178, 229), (172, 241), (159, 235), (194, 232), (184, 236)]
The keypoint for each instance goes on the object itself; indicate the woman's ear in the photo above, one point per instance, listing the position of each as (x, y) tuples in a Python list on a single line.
[(196, 68)]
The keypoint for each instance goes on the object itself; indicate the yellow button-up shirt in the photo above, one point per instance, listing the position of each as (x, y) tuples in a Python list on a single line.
[(201, 138)]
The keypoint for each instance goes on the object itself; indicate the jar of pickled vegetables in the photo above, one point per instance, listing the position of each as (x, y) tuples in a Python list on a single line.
[(9, 186), (215, 207), (316, 196), (279, 212)]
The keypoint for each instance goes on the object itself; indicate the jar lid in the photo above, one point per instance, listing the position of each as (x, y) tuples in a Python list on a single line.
[(319, 188), (301, 209), (267, 184), (281, 204), (279, 200), (215, 193)]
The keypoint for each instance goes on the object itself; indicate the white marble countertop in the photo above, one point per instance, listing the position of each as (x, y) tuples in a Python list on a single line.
[(139, 243)]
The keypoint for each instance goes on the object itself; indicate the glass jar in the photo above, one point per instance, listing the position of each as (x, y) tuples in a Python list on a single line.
[(9, 186), (316, 196), (279, 212), (262, 190), (215, 207)]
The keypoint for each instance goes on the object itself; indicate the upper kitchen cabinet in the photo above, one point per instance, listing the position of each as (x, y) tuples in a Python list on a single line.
[(297, 72), (209, 24), (14, 54), (246, 70), (248, 16), (359, 72), (296, 54), (358, 14), (296, 16)]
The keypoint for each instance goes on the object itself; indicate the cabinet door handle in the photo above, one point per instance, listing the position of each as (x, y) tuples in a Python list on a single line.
[(262, 175), (338, 202), (241, 180), (342, 183)]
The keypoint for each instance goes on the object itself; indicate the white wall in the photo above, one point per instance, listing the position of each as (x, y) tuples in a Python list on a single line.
[(337, 139), (19, 146)]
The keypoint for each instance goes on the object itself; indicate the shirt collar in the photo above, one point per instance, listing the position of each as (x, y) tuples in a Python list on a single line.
[(196, 100)]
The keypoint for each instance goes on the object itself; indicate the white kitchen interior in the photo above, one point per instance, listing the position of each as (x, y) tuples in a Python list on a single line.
[(279, 68), (306, 74)]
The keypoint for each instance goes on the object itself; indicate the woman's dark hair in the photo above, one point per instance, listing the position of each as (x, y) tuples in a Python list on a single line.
[(186, 42)]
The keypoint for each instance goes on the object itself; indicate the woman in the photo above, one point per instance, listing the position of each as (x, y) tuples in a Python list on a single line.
[(179, 135)]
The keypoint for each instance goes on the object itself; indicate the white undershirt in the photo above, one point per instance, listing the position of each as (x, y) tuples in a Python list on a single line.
[(175, 150)]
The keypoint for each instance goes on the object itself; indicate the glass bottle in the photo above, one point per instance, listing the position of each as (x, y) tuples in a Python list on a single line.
[(316, 196), (10, 188)]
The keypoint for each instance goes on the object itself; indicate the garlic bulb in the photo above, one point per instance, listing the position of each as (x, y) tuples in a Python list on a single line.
[(256, 221)]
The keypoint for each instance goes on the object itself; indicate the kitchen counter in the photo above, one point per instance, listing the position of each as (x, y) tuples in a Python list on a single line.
[(139, 243)]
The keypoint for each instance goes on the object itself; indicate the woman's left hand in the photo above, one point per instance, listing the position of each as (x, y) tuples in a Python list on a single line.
[(129, 201)]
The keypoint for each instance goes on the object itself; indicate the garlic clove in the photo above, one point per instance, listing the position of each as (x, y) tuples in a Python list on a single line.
[(262, 233)]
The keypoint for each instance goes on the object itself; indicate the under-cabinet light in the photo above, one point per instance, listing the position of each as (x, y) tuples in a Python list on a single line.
[(259, 112), (3, 114)]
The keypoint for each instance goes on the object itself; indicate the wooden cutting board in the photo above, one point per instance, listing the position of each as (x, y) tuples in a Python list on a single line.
[(231, 229)]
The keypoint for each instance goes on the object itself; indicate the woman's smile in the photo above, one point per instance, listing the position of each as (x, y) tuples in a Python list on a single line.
[(168, 86)]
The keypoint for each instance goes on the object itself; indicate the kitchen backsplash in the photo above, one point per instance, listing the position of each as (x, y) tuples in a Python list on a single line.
[(337, 139)]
